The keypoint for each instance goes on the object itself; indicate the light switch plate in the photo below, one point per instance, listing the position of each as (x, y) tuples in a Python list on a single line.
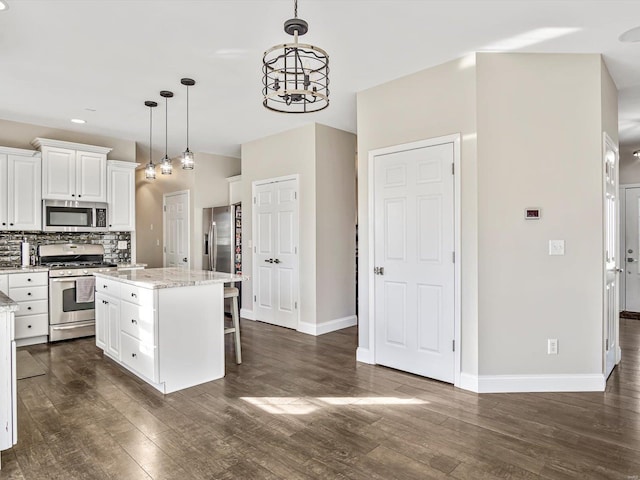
[(122, 244), (556, 247)]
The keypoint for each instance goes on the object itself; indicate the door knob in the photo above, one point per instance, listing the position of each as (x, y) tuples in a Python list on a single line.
[(184, 259), (269, 260), (631, 260), (378, 270), (619, 270), (277, 261)]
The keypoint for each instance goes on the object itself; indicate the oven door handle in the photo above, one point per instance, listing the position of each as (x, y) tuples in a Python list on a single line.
[(66, 279)]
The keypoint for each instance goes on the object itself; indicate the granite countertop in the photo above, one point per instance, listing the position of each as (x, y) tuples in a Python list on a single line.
[(6, 304), (170, 277), (131, 265), (18, 269)]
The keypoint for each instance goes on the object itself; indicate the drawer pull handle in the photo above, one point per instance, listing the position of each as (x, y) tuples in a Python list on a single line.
[(28, 279), (29, 294), (133, 355), (134, 321), (134, 295), (28, 326), (28, 308)]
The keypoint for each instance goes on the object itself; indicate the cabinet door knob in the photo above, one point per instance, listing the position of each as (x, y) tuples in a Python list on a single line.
[(11, 224), (29, 294), (73, 194), (79, 196), (134, 295), (28, 326), (134, 321), (133, 355), (28, 279), (104, 286), (4, 223), (28, 308)]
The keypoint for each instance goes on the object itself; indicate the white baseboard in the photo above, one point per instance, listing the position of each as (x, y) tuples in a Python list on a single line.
[(247, 314), (327, 327), (468, 381), (364, 355), (533, 383)]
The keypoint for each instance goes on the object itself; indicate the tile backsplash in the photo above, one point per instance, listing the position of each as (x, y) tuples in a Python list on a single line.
[(10, 244)]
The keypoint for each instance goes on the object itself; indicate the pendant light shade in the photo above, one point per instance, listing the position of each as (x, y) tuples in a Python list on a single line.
[(295, 75), (166, 168), (187, 160), (150, 170)]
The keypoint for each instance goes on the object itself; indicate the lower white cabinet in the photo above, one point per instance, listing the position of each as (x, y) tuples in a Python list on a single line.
[(4, 284), (173, 338), (31, 292), (8, 389)]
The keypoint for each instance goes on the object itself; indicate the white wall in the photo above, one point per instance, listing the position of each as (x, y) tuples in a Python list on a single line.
[(335, 224), (431, 103), (539, 145), (287, 153)]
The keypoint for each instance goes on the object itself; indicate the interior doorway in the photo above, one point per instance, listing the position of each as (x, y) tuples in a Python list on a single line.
[(176, 230)]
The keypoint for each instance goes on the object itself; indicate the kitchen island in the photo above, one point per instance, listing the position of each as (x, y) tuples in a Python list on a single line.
[(165, 325), (8, 400)]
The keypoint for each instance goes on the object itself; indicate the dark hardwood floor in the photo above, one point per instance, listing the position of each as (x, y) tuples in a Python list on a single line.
[(301, 407)]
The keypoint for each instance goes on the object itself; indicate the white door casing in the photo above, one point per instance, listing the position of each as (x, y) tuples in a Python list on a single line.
[(419, 266), (275, 253), (631, 249), (176, 229), (611, 264)]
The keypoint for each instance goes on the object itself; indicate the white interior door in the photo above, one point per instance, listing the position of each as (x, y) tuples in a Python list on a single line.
[(414, 245), (611, 310), (275, 259), (631, 249), (176, 230)]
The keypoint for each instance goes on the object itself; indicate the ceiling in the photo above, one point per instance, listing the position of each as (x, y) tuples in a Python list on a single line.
[(60, 58)]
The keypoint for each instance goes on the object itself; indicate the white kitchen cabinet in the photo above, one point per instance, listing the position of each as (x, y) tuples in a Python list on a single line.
[(73, 171), (4, 284), (235, 189), (31, 292), (20, 190), (108, 319), (8, 384), (121, 195)]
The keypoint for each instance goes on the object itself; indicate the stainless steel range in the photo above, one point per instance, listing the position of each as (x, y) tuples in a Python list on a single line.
[(71, 287)]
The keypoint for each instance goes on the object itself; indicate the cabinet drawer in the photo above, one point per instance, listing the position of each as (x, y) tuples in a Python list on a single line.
[(138, 356), (25, 294), (34, 307), (137, 321), (108, 287), (32, 326), (28, 279), (133, 294)]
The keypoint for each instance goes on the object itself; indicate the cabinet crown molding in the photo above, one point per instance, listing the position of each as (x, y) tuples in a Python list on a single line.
[(47, 142), (122, 163), (19, 151)]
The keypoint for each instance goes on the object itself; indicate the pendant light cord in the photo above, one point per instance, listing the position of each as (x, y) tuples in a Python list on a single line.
[(150, 130), (187, 116), (166, 128), (295, 8)]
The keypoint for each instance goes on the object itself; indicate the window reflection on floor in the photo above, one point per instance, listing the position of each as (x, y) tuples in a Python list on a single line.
[(306, 405)]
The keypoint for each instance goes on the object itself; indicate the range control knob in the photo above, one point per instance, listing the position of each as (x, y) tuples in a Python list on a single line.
[(85, 271), (68, 272)]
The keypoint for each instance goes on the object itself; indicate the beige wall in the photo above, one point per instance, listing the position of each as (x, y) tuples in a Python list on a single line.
[(20, 135), (539, 122), (207, 187), (431, 103), (335, 224), (287, 153)]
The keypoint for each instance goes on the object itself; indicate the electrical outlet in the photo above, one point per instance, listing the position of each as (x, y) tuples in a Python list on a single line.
[(552, 346), (556, 247), (122, 244), (157, 242)]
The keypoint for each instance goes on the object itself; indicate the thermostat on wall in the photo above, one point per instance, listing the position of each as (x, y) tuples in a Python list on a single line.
[(532, 214)]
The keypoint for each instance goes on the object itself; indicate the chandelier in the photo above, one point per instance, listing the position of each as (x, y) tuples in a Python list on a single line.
[(295, 75)]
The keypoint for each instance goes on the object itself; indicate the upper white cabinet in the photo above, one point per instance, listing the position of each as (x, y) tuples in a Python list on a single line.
[(121, 195), (20, 190), (73, 171), (235, 189)]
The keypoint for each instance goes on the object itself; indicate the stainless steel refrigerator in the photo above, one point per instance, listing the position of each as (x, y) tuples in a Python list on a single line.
[(222, 239)]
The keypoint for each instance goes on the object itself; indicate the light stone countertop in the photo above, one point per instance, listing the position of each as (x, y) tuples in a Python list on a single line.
[(169, 277), (31, 269), (6, 304), (131, 265)]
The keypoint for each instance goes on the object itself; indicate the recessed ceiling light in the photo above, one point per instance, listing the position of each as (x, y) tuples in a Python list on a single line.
[(3, 5), (78, 120), (630, 36)]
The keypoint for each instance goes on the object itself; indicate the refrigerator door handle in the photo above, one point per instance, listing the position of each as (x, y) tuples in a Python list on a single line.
[(214, 251), (211, 245)]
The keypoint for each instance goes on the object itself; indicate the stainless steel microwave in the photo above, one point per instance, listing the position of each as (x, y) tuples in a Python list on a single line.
[(73, 216)]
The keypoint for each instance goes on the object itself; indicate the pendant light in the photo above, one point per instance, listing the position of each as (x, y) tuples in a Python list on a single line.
[(166, 168), (295, 75), (150, 171), (187, 160)]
